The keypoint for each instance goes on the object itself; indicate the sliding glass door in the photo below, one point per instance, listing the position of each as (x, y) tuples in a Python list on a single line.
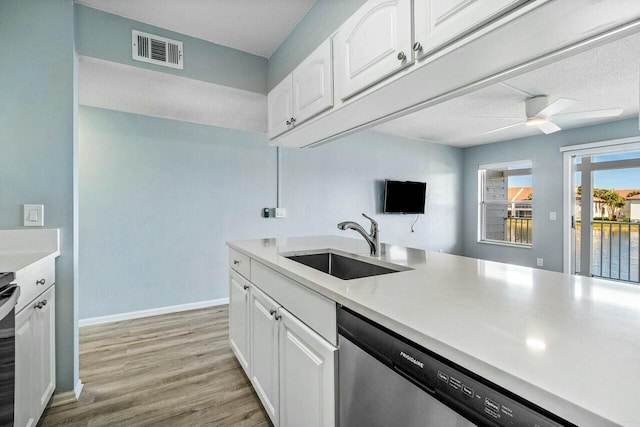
[(605, 213)]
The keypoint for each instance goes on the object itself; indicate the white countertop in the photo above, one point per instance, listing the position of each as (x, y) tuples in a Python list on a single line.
[(23, 247), (567, 343)]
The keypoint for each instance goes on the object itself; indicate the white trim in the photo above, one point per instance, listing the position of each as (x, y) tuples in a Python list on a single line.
[(152, 312), (505, 243), (71, 396), (600, 145), (567, 252), (506, 165), (77, 388)]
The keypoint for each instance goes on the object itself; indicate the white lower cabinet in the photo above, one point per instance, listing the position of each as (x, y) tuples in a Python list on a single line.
[(307, 375), (35, 358), (291, 366), (264, 351), (239, 319)]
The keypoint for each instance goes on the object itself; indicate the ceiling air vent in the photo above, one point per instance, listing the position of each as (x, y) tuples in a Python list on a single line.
[(156, 50)]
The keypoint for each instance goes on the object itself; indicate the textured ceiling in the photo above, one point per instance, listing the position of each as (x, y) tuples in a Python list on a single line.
[(604, 77), (254, 26)]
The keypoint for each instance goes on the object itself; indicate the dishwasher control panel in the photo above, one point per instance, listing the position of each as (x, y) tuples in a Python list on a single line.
[(458, 389), (475, 398)]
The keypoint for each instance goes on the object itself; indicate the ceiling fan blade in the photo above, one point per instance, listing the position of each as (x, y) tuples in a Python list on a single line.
[(595, 114), (504, 128), (549, 127), (556, 106)]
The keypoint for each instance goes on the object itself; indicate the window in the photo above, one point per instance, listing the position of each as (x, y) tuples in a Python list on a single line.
[(505, 196)]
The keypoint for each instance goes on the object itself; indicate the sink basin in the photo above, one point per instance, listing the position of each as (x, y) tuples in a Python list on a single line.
[(343, 267)]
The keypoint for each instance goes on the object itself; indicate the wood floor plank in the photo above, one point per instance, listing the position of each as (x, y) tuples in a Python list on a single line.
[(171, 370)]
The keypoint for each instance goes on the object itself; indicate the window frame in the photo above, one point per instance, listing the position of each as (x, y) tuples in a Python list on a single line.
[(482, 203)]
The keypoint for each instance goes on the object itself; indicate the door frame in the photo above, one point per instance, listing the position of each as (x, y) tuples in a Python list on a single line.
[(569, 153)]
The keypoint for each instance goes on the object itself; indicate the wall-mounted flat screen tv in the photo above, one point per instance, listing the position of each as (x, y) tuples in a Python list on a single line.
[(406, 197)]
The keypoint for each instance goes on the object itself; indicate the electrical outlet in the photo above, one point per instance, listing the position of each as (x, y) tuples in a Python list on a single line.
[(540, 262), (281, 212), (552, 216)]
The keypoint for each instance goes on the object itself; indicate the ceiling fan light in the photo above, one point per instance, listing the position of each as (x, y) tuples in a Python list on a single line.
[(536, 121)]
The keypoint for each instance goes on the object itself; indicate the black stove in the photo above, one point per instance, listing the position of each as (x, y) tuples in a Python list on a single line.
[(6, 278)]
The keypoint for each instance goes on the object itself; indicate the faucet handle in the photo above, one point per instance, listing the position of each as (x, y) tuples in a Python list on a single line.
[(374, 224)]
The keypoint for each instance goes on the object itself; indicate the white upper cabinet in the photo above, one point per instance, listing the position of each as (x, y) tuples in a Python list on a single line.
[(372, 44), (280, 107), (306, 92), (313, 84), (440, 22)]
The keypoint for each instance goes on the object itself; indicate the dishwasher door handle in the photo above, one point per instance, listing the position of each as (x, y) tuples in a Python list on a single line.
[(413, 380)]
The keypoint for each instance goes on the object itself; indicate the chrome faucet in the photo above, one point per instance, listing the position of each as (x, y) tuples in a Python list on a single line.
[(373, 239)]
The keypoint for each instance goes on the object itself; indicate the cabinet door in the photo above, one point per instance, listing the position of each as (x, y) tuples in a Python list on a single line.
[(239, 320), (313, 84), (307, 375), (280, 107), (368, 45), (45, 349), (26, 391), (440, 22), (264, 351)]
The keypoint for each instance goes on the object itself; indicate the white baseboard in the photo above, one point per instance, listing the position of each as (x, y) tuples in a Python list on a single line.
[(152, 312), (66, 397)]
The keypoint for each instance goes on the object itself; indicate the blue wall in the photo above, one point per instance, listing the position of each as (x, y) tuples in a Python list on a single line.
[(544, 151), (37, 141), (320, 22), (106, 36), (159, 198)]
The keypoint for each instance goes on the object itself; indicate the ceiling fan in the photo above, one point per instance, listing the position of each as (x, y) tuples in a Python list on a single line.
[(539, 114)]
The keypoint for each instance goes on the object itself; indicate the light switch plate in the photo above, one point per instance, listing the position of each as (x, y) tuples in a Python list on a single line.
[(552, 216), (33, 215), (281, 212)]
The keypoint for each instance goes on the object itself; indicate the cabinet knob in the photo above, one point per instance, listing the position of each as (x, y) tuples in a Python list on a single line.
[(277, 317), (402, 56), (236, 262), (40, 282), (417, 47), (293, 120), (44, 302), (245, 287), (272, 312), (288, 122)]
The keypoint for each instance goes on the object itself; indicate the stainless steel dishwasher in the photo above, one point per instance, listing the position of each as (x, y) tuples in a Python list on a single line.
[(386, 380)]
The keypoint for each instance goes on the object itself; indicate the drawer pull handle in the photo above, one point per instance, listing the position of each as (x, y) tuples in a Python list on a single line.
[(278, 317), (236, 262), (40, 282), (272, 312), (245, 287)]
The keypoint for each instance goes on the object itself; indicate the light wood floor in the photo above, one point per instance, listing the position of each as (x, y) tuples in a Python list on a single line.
[(170, 370)]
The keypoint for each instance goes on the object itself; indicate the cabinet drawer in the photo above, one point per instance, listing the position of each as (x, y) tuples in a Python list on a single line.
[(34, 280), (313, 309), (240, 263)]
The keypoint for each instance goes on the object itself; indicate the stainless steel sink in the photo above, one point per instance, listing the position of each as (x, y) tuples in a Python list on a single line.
[(344, 267)]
